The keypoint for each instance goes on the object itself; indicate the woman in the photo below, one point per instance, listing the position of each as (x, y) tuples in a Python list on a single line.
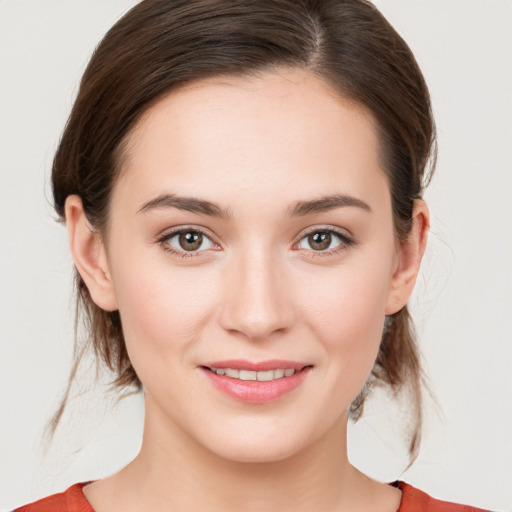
[(242, 187)]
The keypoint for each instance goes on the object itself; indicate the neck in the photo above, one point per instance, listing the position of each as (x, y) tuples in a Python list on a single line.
[(174, 472), (172, 468)]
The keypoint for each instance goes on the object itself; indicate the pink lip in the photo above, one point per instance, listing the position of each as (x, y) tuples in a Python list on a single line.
[(256, 392)]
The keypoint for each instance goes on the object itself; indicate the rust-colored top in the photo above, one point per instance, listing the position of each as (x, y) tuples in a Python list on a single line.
[(74, 500)]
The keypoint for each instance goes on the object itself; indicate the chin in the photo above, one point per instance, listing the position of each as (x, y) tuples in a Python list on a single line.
[(258, 451), (260, 444)]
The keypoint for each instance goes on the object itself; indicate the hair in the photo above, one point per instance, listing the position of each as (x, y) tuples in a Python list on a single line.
[(161, 45)]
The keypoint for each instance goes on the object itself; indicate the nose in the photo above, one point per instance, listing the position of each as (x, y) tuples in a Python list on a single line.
[(257, 300)]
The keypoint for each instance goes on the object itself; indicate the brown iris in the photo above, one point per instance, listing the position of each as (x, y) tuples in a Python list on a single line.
[(190, 240), (320, 240)]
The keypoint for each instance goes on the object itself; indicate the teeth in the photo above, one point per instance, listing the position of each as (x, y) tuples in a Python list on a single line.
[(229, 372), (247, 375), (268, 375), (252, 375), (279, 374)]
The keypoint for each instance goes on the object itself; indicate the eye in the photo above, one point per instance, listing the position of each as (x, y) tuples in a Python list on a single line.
[(325, 241), (186, 242)]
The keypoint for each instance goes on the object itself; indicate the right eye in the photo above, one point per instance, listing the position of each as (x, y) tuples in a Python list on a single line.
[(186, 243)]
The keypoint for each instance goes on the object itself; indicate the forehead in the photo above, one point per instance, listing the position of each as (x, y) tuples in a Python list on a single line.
[(283, 133)]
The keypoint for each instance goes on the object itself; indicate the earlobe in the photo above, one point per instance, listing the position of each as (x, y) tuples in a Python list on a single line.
[(89, 255), (410, 253)]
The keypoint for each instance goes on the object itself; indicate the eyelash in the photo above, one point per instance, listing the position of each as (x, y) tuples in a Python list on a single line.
[(345, 241), (171, 234)]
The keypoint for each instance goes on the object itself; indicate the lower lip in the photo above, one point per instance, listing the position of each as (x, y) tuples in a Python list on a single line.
[(253, 391)]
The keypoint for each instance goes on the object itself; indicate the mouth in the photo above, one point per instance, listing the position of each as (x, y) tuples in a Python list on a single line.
[(252, 375), (256, 382)]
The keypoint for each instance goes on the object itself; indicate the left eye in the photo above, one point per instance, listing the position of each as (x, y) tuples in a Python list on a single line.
[(322, 240), (189, 241)]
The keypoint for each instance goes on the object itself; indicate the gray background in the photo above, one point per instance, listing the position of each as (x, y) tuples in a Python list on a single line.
[(463, 302)]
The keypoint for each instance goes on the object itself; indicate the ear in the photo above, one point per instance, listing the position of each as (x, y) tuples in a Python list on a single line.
[(410, 253), (89, 254)]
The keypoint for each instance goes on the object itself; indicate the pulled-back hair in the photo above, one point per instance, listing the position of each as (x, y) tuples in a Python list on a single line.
[(160, 45)]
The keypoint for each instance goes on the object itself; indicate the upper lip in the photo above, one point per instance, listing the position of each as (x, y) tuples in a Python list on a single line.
[(256, 366)]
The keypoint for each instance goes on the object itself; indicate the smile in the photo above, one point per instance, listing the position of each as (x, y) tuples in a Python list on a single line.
[(261, 376), (256, 383)]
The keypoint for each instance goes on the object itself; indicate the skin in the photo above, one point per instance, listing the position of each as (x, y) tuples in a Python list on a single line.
[(258, 291)]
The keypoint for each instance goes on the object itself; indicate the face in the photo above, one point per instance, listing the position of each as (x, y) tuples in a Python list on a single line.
[(251, 237)]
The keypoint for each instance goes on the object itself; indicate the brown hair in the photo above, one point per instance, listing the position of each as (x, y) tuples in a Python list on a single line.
[(160, 45)]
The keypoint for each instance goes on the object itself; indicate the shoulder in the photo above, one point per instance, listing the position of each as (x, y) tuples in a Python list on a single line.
[(414, 500), (71, 500)]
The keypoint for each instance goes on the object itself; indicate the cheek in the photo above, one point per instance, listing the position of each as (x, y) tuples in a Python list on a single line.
[(347, 312), (161, 308)]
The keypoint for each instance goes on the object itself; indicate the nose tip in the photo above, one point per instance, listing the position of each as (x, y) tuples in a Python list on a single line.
[(257, 303)]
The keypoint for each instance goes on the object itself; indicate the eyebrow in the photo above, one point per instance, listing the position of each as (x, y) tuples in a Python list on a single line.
[(325, 204), (190, 204), (298, 209)]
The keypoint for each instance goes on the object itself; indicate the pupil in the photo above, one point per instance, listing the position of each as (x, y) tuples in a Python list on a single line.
[(191, 240), (320, 240)]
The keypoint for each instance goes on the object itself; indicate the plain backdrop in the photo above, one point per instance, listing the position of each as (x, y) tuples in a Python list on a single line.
[(463, 301)]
